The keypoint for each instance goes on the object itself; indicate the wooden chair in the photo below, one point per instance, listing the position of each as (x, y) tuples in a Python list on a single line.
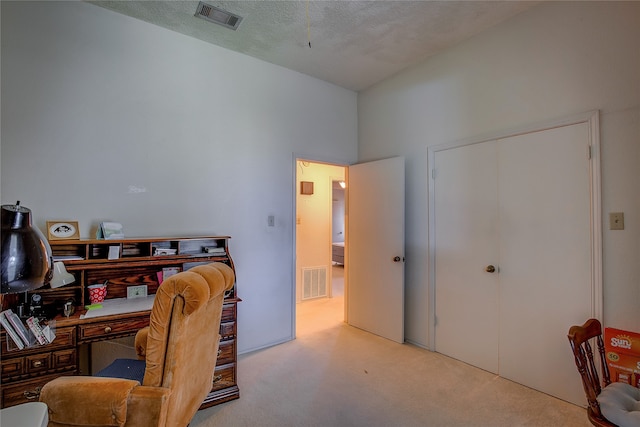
[(618, 401)]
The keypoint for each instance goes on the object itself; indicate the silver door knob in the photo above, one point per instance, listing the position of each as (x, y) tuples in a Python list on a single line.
[(490, 269)]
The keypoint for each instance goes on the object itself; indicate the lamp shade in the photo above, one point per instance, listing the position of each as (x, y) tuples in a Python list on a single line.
[(60, 276), (26, 254)]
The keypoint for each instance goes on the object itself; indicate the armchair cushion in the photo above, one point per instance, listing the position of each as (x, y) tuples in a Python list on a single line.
[(620, 404), (106, 409)]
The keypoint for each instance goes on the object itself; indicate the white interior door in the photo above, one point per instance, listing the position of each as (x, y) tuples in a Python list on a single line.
[(466, 203), (528, 205), (375, 247)]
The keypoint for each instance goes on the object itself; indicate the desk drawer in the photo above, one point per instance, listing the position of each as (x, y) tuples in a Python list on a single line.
[(37, 364), (228, 330), (224, 376), (228, 312), (12, 367), (63, 359), (25, 391), (111, 329), (226, 352), (65, 337)]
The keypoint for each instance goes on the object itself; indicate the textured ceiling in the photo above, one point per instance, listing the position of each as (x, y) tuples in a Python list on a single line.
[(354, 44)]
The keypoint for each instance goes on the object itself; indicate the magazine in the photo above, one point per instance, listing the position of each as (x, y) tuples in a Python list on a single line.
[(10, 331)]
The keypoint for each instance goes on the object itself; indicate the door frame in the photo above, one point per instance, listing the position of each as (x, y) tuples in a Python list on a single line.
[(593, 120), (313, 159)]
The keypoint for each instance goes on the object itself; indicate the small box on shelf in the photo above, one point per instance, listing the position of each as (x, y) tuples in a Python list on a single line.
[(164, 247), (203, 246)]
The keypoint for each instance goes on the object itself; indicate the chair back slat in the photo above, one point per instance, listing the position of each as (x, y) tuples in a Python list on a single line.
[(580, 338), (606, 376), (593, 372)]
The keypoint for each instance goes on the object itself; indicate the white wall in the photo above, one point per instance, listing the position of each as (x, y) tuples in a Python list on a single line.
[(97, 106), (556, 60)]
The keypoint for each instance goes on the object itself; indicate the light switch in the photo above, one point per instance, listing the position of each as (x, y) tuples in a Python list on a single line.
[(616, 221)]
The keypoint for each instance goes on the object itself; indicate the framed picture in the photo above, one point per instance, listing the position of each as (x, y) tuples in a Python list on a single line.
[(63, 230), (306, 187)]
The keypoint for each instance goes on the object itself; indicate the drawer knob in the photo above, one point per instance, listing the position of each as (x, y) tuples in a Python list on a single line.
[(37, 363), (217, 378), (219, 352), (107, 329), (32, 394)]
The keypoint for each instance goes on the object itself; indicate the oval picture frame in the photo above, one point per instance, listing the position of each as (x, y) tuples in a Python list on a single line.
[(63, 230)]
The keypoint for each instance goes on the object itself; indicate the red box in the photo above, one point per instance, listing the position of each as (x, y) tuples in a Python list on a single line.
[(622, 349)]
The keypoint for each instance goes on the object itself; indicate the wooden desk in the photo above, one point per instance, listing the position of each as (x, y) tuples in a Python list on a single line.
[(24, 372)]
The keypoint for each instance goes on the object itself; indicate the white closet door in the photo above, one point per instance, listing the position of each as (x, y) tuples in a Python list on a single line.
[(545, 256), (522, 204), (466, 228)]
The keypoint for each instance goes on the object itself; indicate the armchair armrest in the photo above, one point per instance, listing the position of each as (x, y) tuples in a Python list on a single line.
[(141, 343), (97, 401)]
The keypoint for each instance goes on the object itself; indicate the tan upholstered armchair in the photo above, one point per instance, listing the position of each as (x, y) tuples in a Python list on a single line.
[(180, 349)]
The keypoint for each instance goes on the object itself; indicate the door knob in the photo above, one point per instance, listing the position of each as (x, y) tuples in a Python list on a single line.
[(490, 269), (397, 259)]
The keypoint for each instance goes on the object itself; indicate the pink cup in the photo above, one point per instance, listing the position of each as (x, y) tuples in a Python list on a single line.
[(97, 293)]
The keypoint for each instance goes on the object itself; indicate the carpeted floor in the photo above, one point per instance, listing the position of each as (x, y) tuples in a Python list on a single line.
[(336, 375)]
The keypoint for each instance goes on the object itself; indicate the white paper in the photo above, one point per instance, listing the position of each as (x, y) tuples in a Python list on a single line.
[(114, 252), (120, 306)]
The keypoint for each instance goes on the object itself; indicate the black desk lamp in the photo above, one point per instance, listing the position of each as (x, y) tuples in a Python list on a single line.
[(26, 254)]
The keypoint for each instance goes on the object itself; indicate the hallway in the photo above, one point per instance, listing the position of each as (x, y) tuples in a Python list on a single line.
[(322, 313)]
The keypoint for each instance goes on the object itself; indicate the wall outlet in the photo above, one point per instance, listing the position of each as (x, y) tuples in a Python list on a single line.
[(139, 291)]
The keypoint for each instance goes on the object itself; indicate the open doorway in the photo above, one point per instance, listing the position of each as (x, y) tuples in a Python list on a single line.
[(320, 222)]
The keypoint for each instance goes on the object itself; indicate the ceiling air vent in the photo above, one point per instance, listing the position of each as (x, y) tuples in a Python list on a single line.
[(218, 16)]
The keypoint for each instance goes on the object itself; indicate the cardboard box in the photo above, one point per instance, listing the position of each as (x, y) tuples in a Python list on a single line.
[(622, 349)]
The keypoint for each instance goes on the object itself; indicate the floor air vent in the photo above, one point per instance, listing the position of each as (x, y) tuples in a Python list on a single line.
[(218, 16), (314, 282)]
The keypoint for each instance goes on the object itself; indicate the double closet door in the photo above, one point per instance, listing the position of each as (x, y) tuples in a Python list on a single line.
[(513, 254)]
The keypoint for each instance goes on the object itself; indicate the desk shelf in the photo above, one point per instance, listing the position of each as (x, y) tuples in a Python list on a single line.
[(138, 262)]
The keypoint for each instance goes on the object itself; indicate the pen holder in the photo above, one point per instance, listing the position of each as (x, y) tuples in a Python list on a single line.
[(97, 293)]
